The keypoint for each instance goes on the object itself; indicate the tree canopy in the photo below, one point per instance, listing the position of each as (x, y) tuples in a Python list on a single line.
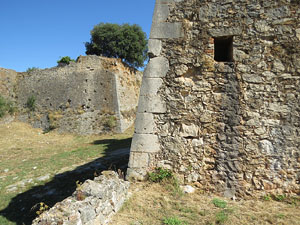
[(65, 60), (127, 42)]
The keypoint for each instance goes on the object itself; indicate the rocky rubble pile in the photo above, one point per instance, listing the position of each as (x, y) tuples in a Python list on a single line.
[(94, 202)]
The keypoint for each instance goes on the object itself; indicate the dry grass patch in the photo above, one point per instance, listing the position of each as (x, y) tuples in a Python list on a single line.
[(154, 203), (24, 149)]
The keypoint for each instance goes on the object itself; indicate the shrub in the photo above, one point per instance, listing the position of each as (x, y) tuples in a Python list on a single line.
[(53, 118), (127, 42), (30, 103), (279, 198), (167, 179), (160, 174), (6, 106), (110, 122), (31, 69), (266, 197), (65, 60), (173, 221)]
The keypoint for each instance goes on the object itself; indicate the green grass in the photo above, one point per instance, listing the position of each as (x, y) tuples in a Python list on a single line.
[(221, 217), (27, 153), (160, 174), (279, 198), (173, 221), (267, 197), (219, 203)]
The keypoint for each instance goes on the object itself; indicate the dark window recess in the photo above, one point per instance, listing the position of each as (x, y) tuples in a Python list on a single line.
[(223, 49)]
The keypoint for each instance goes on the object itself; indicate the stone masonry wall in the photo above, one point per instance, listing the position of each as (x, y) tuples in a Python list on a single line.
[(8, 79), (94, 202), (229, 127), (93, 95)]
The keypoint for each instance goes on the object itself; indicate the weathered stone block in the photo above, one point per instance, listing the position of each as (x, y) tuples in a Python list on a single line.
[(150, 86), (157, 67), (277, 107), (298, 33), (252, 78), (189, 130), (226, 31), (206, 117), (262, 26), (167, 1), (278, 12), (166, 30), (136, 174), (278, 66), (145, 143), (197, 142), (266, 147), (151, 104), (268, 75), (144, 123), (161, 12), (154, 47), (138, 160)]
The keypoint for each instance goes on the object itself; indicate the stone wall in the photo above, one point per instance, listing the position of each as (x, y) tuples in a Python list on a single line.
[(94, 202), (8, 80), (229, 127), (93, 95)]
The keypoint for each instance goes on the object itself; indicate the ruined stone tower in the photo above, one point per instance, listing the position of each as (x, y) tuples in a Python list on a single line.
[(220, 98)]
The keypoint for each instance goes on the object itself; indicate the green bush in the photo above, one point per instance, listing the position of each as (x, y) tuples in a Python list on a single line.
[(31, 69), (31, 103), (279, 198), (65, 60), (110, 122), (160, 174), (6, 106), (266, 197), (167, 179), (127, 42), (173, 221)]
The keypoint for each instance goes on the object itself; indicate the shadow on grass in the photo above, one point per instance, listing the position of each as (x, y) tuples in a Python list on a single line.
[(22, 208)]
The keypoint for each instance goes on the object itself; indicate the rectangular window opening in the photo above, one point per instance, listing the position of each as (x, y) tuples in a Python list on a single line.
[(223, 47)]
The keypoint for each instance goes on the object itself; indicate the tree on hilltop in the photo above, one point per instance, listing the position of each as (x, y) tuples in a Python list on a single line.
[(127, 42)]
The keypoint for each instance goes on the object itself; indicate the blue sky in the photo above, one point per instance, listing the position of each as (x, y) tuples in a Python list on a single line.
[(36, 33)]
